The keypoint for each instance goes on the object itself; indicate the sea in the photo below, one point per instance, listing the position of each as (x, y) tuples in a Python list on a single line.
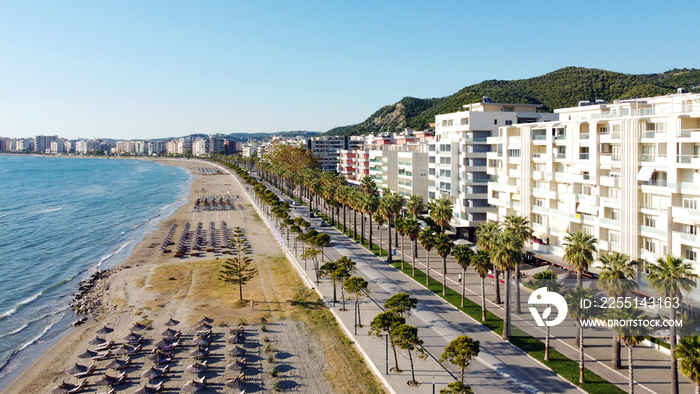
[(61, 219)]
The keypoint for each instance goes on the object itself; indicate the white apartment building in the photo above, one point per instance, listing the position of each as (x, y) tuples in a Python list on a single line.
[(627, 173), (84, 146), (383, 168), (412, 164), (353, 164), (457, 160), (327, 148)]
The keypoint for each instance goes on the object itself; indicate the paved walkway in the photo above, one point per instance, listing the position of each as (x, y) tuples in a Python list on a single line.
[(500, 367)]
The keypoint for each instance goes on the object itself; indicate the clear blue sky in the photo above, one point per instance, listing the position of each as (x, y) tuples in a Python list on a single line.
[(149, 69)]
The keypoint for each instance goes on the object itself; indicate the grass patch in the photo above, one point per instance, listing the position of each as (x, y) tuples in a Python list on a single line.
[(559, 363)]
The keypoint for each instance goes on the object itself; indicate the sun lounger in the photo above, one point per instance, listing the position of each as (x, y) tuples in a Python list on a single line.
[(80, 387), (126, 364), (136, 349), (171, 346), (104, 355), (205, 333), (87, 372), (104, 346), (135, 341)]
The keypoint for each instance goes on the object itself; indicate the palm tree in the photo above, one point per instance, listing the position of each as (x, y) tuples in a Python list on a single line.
[(519, 226), (579, 250), (399, 228), (463, 254), (546, 279), (506, 252), (370, 203), (379, 218), (688, 356), (427, 241), (632, 335), (441, 212), (481, 263), (670, 277), (486, 234), (412, 229), (443, 247), (615, 280), (578, 313), (414, 205)]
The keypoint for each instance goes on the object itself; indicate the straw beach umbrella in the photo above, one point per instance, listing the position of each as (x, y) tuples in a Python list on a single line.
[(137, 327), (168, 333), (235, 339), (199, 352), (205, 320), (132, 337), (151, 373), (196, 367), (236, 365), (236, 351), (171, 323), (77, 368), (116, 364), (203, 327), (87, 354), (105, 330), (123, 349), (192, 386), (161, 344), (235, 384), (97, 341)]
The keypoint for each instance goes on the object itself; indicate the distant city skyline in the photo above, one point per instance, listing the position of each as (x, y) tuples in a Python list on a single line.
[(133, 70)]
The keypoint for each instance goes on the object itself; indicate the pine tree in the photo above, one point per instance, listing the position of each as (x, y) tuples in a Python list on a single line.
[(237, 270)]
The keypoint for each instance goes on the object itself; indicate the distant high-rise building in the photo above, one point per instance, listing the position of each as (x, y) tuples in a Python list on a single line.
[(42, 143)]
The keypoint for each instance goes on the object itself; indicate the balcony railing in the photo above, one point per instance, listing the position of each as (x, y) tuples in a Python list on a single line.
[(687, 159), (660, 183), (583, 156), (584, 136), (560, 136), (561, 155), (539, 137), (685, 133)]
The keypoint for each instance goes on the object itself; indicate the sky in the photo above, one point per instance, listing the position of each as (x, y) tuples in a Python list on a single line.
[(155, 69)]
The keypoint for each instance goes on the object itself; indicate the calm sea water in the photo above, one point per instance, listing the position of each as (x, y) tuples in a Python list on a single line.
[(60, 220)]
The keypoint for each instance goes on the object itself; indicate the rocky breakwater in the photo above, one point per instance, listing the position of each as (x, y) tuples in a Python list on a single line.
[(88, 300)]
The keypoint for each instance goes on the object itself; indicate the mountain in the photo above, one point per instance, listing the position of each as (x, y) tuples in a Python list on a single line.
[(561, 88)]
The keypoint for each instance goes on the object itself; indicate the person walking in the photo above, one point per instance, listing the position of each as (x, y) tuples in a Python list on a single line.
[(252, 305), (459, 279)]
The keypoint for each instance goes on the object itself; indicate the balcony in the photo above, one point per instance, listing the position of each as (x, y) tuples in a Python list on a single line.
[(651, 134), (647, 231), (560, 156), (609, 181), (584, 136), (538, 156), (560, 136), (686, 213), (688, 133), (651, 157), (688, 159), (609, 222), (610, 202), (583, 156)]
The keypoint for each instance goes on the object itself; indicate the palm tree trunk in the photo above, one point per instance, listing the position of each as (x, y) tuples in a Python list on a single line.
[(444, 275), (415, 249), (630, 367), (354, 224), (427, 268), (616, 363), (517, 289), (379, 228), (483, 299), (464, 276), (362, 230), (674, 362), (546, 343), (506, 321), (413, 259), (579, 278), (389, 258), (403, 259), (580, 354), (345, 218), (498, 286)]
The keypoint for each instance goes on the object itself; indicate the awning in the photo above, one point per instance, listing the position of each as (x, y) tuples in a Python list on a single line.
[(539, 235), (645, 174), (515, 197), (587, 209), (562, 225)]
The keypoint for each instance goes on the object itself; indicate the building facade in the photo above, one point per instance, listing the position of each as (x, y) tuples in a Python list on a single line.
[(627, 173)]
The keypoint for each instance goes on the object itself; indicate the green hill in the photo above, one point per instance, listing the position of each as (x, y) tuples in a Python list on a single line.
[(561, 88)]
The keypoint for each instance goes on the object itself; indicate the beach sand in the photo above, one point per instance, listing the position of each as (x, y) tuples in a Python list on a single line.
[(151, 287)]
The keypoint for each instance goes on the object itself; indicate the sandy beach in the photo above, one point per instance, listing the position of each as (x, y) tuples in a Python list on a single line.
[(150, 288)]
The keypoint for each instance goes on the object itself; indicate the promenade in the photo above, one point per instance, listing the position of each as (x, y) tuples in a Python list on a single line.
[(500, 367)]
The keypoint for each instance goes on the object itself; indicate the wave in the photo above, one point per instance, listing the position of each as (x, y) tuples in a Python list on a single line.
[(35, 339), (21, 304), (107, 257), (49, 210), (13, 332)]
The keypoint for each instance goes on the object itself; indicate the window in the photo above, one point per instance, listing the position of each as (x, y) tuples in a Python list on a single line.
[(541, 185), (615, 214), (495, 121), (559, 133), (431, 148), (464, 121), (431, 171), (513, 152), (509, 122), (614, 193), (616, 155), (587, 190), (583, 153), (650, 221), (539, 219), (431, 159), (603, 130), (446, 186), (586, 175), (614, 236), (690, 203), (445, 148), (691, 255), (649, 245), (446, 122), (691, 229), (539, 202), (539, 134), (445, 173), (588, 230), (445, 160), (561, 152)]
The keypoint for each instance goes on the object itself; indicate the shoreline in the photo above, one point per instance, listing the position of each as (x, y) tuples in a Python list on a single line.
[(62, 333)]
